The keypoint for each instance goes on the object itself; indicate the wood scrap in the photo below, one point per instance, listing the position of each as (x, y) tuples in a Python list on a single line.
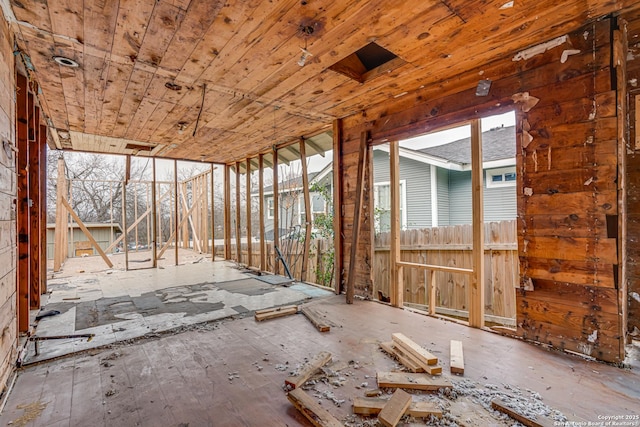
[(308, 407), (413, 362), (467, 413), (373, 406), (422, 356), (502, 406), (395, 408), (457, 357), (308, 369), (272, 313), (316, 319), (412, 381), (389, 348)]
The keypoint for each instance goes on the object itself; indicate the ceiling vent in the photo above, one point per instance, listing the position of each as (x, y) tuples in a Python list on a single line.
[(368, 62)]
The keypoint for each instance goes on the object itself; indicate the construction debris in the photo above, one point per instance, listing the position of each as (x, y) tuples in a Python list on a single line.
[(272, 313), (395, 408), (306, 371), (457, 357), (316, 319), (506, 408), (373, 406), (391, 349), (418, 355), (412, 381), (308, 407)]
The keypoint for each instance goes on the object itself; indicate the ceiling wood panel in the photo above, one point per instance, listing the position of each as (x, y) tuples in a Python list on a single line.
[(247, 52)]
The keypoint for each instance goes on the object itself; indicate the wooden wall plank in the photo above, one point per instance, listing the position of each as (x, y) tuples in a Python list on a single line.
[(22, 117), (35, 216)]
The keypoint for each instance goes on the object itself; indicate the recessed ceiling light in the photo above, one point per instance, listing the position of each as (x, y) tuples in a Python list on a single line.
[(66, 62)]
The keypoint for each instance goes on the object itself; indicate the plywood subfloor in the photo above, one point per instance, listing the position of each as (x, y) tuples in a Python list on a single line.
[(231, 373)]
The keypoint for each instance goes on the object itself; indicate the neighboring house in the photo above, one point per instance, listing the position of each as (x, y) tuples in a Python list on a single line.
[(291, 201), (103, 233), (435, 185), (435, 182)]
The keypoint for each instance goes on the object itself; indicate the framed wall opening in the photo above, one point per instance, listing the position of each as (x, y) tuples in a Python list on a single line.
[(434, 254)]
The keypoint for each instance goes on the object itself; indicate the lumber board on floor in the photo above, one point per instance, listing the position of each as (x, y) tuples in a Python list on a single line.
[(389, 348), (457, 357), (412, 381), (411, 348), (308, 369), (502, 406), (467, 413), (316, 319), (373, 406), (308, 406), (395, 408), (273, 313)]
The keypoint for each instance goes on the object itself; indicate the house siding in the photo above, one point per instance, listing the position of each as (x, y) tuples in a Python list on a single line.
[(443, 196), (499, 203), (417, 177)]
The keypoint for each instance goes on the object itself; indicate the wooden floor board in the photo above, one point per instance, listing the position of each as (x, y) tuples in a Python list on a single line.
[(184, 377)]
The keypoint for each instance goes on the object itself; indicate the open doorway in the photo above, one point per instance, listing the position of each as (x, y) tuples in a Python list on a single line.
[(435, 216)]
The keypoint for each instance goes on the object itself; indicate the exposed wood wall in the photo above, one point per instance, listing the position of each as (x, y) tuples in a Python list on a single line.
[(565, 100), (8, 325), (633, 173)]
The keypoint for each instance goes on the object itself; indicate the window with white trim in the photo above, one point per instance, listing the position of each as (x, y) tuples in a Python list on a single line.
[(270, 208), (382, 205), (503, 177)]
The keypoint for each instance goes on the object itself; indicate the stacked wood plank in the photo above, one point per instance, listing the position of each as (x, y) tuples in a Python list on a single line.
[(273, 313), (411, 355), (316, 414)]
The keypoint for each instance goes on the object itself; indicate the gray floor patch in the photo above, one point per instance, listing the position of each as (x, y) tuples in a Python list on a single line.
[(274, 279), (249, 287)]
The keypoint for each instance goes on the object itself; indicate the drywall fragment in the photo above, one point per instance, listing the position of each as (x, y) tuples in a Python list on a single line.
[(526, 139), (528, 284), (594, 109), (589, 181), (567, 53), (585, 35), (635, 296), (528, 191), (527, 101), (538, 49), (507, 5), (593, 337), (633, 82)]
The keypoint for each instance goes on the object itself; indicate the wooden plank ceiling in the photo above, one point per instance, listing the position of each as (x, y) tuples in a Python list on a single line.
[(146, 67)]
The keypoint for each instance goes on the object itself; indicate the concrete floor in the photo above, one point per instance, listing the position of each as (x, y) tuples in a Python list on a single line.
[(116, 305)]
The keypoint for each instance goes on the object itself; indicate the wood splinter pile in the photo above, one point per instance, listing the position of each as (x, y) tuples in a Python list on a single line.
[(425, 375)]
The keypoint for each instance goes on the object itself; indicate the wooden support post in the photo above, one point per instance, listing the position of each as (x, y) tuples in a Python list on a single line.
[(620, 54), (213, 224), (263, 249), (135, 212), (154, 216), (276, 209), (362, 160), (337, 205), (185, 208), (238, 216), (307, 210), (42, 148), (61, 228), (183, 221), (125, 237), (249, 210), (127, 169), (396, 283), (176, 212), (475, 293), (431, 292), (227, 212), (22, 219), (34, 211)]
